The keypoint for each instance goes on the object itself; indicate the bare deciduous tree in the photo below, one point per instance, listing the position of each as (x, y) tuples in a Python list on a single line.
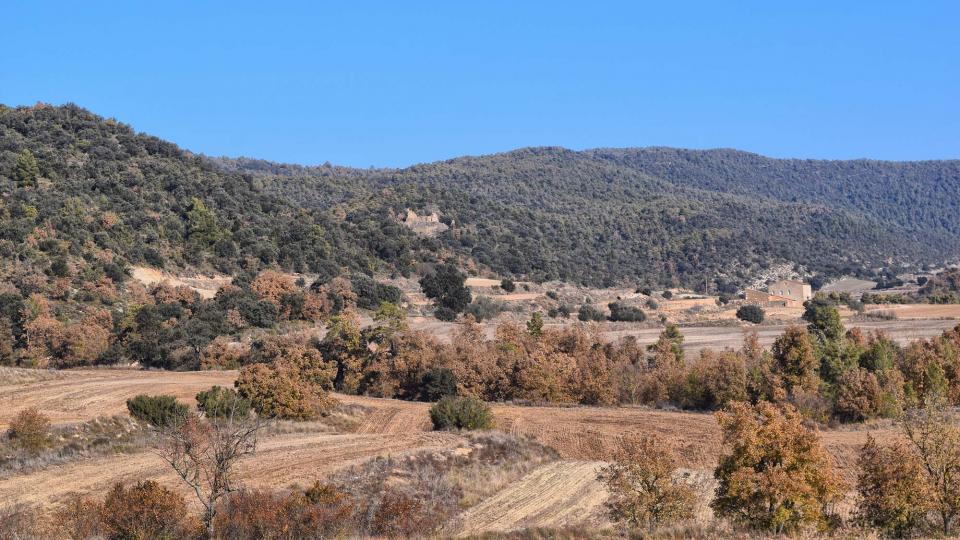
[(204, 452), (937, 442)]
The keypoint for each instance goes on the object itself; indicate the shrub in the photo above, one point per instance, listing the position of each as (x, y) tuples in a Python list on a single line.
[(935, 439), (81, 518), (461, 413), (371, 293), (776, 475), (589, 313), (220, 402), (668, 294), (553, 295), (158, 411), (715, 380), (400, 515), (751, 313), (30, 430), (19, 520), (320, 512), (445, 286), (508, 285), (893, 496), (438, 383), (483, 308), (643, 484), (445, 314), (281, 390), (146, 510), (623, 313), (652, 304)]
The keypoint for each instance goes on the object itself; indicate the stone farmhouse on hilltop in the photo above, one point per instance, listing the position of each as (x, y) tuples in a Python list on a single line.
[(784, 293)]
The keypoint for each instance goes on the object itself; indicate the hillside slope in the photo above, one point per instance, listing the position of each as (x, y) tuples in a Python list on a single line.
[(102, 193), (102, 197), (658, 216)]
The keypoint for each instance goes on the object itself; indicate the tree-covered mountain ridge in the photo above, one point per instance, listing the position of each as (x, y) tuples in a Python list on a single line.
[(658, 215), (82, 193)]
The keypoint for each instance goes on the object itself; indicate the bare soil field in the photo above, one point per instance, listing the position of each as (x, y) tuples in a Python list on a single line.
[(563, 493), (720, 337), (76, 396), (850, 285), (917, 311), (206, 286)]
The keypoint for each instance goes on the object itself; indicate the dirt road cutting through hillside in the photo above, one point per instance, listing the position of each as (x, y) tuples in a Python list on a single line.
[(558, 494)]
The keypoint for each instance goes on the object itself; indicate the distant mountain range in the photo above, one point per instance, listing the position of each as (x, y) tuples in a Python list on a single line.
[(647, 216)]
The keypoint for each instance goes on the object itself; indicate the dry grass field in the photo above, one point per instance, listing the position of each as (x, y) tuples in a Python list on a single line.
[(559, 493), (917, 312)]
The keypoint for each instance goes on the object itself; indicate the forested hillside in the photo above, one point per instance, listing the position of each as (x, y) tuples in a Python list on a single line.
[(85, 189), (78, 187), (659, 216)]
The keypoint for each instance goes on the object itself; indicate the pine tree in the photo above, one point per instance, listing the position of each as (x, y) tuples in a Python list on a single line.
[(26, 170)]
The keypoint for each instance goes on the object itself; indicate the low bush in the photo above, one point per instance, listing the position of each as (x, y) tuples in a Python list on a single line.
[(158, 411), (588, 312), (461, 413), (220, 402), (319, 512), (146, 510), (508, 285), (751, 313), (623, 313), (30, 430), (371, 293), (445, 314), (483, 308)]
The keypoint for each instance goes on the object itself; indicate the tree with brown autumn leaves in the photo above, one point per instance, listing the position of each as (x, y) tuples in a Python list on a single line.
[(775, 475), (645, 489)]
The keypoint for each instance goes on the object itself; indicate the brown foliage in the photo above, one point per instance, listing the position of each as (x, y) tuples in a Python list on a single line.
[(643, 483), (859, 396), (81, 517), (272, 286), (776, 475), (144, 511), (936, 440), (224, 353), (795, 360), (294, 382), (893, 494), (30, 430), (401, 515), (320, 512)]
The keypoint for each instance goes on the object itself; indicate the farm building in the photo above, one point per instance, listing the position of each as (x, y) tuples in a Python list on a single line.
[(784, 293)]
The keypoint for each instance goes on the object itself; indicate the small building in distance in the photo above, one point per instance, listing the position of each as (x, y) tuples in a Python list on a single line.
[(783, 293)]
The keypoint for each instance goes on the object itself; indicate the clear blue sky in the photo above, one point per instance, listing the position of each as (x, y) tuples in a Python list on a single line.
[(386, 84)]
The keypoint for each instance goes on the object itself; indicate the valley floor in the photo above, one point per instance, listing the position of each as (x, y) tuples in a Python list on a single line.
[(560, 493)]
